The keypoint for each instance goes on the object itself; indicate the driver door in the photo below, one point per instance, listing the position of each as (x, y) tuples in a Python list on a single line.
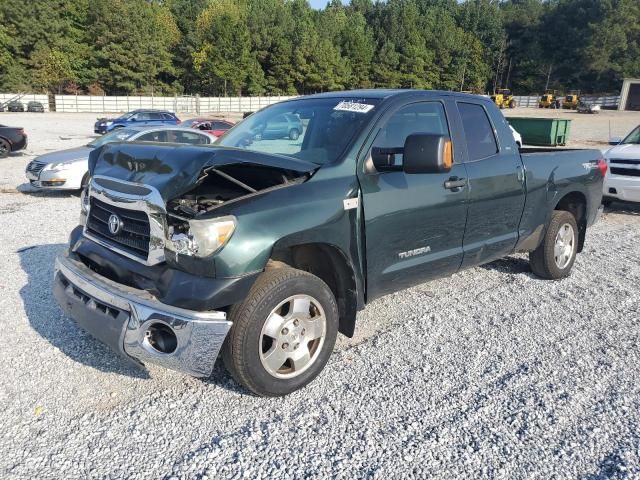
[(414, 223)]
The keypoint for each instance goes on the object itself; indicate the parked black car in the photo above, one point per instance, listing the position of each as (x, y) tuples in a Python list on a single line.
[(15, 106), (35, 107), (11, 140)]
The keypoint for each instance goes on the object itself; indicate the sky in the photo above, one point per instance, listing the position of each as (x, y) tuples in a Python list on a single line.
[(322, 3)]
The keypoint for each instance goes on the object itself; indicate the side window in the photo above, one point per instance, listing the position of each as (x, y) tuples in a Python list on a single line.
[(481, 142), (423, 117), (141, 117), (221, 125), (153, 137), (155, 116), (166, 116), (180, 136)]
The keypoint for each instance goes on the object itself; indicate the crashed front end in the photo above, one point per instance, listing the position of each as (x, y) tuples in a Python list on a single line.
[(140, 271)]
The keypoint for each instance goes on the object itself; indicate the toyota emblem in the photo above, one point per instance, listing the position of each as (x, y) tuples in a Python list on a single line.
[(115, 225)]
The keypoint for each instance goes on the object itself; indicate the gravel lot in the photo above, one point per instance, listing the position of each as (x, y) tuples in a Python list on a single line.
[(491, 373)]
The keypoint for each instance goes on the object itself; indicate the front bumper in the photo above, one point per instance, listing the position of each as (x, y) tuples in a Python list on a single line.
[(121, 317), (62, 179), (622, 188)]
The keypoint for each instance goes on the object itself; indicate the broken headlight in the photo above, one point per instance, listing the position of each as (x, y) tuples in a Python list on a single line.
[(202, 238)]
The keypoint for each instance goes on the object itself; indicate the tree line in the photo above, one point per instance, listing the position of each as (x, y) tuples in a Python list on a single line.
[(284, 47)]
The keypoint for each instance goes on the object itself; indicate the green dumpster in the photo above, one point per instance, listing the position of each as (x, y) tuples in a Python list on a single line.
[(542, 131)]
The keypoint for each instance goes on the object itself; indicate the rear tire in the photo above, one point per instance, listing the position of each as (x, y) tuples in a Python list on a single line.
[(555, 256), (5, 148), (512, 104), (283, 332)]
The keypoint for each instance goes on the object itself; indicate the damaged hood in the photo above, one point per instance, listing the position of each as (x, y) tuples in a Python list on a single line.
[(176, 169)]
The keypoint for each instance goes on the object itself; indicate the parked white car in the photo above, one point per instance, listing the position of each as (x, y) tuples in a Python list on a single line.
[(622, 181), (68, 169)]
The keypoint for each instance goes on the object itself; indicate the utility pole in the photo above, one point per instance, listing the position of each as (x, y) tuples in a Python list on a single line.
[(546, 86)]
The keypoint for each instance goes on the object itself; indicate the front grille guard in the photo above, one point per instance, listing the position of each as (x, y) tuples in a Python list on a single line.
[(151, 203)]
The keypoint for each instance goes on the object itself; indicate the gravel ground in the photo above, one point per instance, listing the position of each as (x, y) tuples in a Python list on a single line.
[(490, 373)]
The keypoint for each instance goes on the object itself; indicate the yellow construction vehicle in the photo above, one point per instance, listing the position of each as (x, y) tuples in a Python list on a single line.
[(571, 101), (548, 100), (503, 98)]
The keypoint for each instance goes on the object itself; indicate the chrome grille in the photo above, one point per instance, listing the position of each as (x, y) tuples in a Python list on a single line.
[(134, 233)]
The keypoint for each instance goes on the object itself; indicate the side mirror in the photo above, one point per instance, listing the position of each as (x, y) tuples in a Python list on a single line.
[(615, 140), (427, 153), (132, 119), (384, 158)]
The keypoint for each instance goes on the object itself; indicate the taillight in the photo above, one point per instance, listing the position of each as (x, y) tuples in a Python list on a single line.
[(21, 131), (602, 166), (178, 121)]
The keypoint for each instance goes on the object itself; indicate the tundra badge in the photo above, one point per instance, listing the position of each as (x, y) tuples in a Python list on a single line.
[(413, 253)]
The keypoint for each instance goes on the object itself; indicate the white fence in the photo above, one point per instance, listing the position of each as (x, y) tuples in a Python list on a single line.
[(24, 99), (202, 105), (106, 104), (604, 101)]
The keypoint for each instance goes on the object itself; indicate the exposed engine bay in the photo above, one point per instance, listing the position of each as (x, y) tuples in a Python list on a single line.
[(218, 185)]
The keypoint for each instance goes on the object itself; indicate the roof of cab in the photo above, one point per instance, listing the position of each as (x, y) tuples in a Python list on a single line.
[(384, 93)]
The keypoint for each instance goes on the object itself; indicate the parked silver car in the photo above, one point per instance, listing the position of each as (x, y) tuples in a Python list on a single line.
[(68, 169)]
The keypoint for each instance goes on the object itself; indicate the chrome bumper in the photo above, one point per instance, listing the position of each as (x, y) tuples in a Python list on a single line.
[(120, 316)]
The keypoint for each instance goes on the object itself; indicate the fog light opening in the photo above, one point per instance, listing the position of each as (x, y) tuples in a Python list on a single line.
[(161, 338)]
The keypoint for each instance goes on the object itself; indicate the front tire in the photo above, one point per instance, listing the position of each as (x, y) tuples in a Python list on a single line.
[(555, 256), (283, 332), (294, 134)]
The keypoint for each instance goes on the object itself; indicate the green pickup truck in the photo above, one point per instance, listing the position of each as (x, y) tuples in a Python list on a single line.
[(265, 245)]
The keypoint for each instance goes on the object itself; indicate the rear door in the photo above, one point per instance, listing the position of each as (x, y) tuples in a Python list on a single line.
[(496, 180), (414, 226)]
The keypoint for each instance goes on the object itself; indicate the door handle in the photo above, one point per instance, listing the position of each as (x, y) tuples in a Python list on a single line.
[(520, 173), (455, 183)]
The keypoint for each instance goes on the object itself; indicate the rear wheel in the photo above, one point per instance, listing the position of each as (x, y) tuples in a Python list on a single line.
[(283, 332), (556, 254), (5, 148), (512, 104)]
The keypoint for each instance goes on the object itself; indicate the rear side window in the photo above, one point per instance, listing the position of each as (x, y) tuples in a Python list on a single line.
[(184, 136), (159, 136), (423, 117), (481, 142)]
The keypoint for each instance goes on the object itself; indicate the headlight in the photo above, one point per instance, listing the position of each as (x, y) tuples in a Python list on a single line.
[(84, 206), (204, 237), (84, 201)]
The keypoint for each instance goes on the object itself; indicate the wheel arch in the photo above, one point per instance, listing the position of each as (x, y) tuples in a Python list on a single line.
[(575, 202), (332, 266)]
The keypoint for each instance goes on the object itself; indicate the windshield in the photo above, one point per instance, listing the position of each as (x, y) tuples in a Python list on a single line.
[(118, 135), (316, 129), (633, 138)]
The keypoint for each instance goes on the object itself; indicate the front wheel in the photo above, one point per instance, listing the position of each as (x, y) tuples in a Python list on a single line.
[(556, 254), (283, 332), (294, 134)]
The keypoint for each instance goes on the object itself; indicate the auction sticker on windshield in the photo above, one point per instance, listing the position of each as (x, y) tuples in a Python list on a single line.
[(353, 107)]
